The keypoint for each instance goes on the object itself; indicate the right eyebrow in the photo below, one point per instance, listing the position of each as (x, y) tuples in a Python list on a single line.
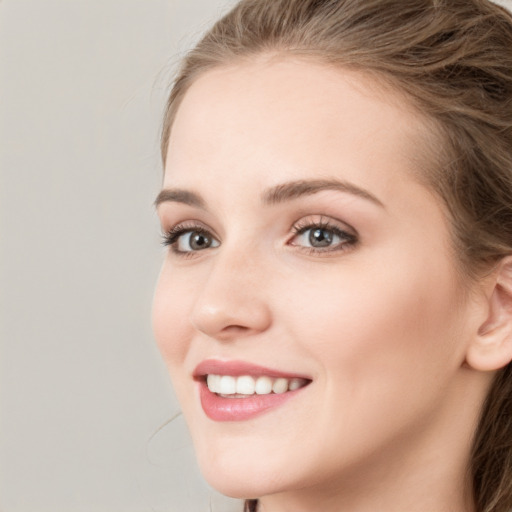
[(294, 189), (177, 195)]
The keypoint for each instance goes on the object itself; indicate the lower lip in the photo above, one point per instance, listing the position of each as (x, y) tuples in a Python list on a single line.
[(218, 408)]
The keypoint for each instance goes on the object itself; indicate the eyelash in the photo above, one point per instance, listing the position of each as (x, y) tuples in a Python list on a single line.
[(348, 240), (172, 236)]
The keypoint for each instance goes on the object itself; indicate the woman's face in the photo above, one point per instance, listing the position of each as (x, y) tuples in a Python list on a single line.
[(304, 255)]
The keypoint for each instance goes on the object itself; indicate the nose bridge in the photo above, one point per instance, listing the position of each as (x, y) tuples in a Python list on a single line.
[(232, 301)]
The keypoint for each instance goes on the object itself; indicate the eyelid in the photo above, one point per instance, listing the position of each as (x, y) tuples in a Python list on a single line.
[(172, 235), (348, 235), (310, 221), (189, 225)]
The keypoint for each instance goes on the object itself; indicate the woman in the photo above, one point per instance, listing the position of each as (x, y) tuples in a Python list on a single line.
[(335, 307)]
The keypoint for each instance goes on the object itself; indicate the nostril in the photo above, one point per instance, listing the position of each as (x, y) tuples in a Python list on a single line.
[(236, 328), (232, 332)]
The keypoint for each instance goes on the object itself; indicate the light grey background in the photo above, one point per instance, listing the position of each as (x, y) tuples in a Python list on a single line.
[(82, 388)]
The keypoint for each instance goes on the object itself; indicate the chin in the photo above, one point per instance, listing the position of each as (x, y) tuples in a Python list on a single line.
[(243, 476), (239, 489)]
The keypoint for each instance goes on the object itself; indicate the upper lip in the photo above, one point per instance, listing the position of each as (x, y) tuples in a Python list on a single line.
[(238, 368)]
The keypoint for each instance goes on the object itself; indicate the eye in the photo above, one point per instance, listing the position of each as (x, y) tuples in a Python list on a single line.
[(322, 236), (194, 241), (184, 239)]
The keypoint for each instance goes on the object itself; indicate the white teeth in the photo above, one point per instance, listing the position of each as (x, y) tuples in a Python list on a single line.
[(280, 386), (294, 384), (263, 386), (246, 385), (227, 385), (211, 382)]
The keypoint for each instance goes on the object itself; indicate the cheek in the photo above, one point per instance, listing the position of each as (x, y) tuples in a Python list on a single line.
[(170, 310), (366, 323), (385, 346)]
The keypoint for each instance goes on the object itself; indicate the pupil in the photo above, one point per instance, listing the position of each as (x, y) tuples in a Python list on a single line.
[(199, 241), (320, 238)]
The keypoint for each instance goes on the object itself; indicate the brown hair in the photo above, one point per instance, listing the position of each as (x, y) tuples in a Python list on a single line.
[(453, 60)]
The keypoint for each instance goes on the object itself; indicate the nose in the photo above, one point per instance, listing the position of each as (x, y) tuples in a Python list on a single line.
[(231, 304)]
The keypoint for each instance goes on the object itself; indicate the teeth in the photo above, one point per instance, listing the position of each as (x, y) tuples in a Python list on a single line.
[(227, 385), (294, 384), (247, 385), (212, 382), (263, 386), (280, 386)]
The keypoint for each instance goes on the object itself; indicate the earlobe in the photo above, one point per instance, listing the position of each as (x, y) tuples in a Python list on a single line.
[(491, 348)]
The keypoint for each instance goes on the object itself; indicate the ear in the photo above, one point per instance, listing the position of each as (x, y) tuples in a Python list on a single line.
[(491, 347)]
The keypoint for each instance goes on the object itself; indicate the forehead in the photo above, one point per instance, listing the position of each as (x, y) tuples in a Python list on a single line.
[(291, 116)]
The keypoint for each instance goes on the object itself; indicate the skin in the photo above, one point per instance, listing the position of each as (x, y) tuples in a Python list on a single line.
[(381, 326)]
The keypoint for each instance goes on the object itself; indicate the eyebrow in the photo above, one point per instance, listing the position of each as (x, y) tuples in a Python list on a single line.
[(275, 195), (295, 189), (178, 195)]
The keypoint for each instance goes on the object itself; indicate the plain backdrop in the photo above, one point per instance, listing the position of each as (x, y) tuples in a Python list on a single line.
[(82, 387), (83, 392)]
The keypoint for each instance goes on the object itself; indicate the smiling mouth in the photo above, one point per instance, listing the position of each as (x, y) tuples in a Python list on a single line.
[(245, 386), (238, 390)]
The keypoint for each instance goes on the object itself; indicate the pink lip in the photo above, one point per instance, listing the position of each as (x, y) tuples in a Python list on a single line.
[(238, 368), (218, 408)]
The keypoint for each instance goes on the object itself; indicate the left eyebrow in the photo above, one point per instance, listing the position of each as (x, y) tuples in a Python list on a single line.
[(295, 189), (178, 195)]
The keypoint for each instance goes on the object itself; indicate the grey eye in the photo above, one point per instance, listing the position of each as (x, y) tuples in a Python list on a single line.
[(318, 238), (321, 237), (195, 241)]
